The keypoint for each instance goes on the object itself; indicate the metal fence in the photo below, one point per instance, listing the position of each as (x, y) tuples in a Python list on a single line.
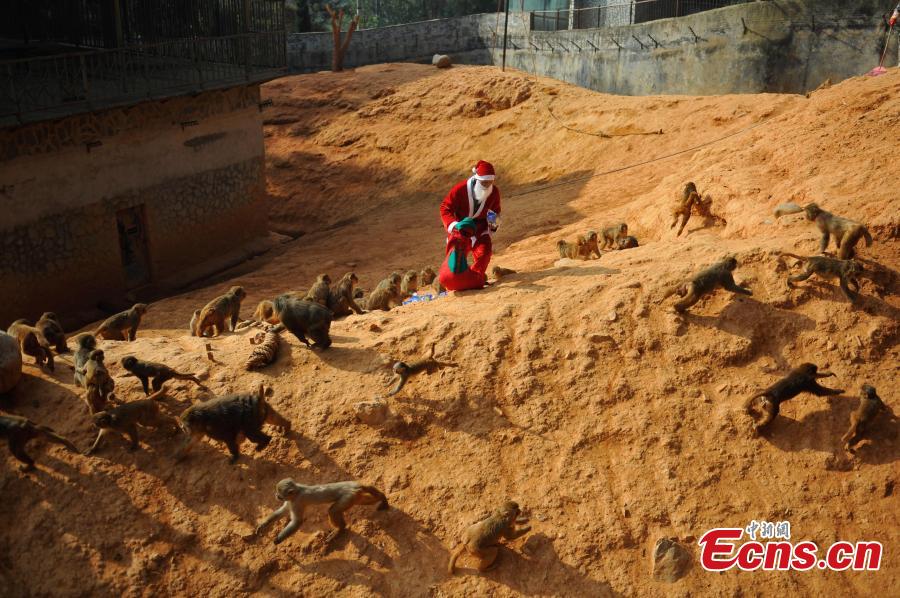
[(625, 13), (52, 86)]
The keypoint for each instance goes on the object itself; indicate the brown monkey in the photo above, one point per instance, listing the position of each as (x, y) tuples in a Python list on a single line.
[(588, 245), (395, 279), (570, 250), (826, 267), (683, 206), (53, 332), (628, 242), (215, 315), (145, 370), (499, 272), (870, 405), (611, 235), (342, 496), (114, 327), (86, 344), (437, 287), (800, 379), (426, 276), (230, 417), (846, 232), (320, 290), (409, 285), (482, 539), (126, 418), (19, 430), (384, 298), (32, 342), (98, 383), (341, 301), (403, 371), (717, 275), (304, 318), (265, 311)]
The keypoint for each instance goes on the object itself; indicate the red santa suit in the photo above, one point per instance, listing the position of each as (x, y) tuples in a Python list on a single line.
[(461, 202)]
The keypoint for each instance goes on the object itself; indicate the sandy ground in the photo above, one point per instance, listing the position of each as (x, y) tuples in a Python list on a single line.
[(573, 389)]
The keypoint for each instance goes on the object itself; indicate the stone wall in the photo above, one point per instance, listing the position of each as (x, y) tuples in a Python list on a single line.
[(194, 164), (788, 46)]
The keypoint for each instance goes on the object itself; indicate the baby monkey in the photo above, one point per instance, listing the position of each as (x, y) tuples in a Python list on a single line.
[(870, 405), (126, 418), (19, 430), (341, 495), (98, 384), (482, 539), (827, 267), (611, 235), (402, 371), (159, 373), (800, 379), (719, 274)]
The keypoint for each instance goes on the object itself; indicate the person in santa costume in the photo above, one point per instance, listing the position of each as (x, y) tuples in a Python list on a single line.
[(465, 212)]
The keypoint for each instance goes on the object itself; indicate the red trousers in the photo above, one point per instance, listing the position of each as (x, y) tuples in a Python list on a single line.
[(476, 276)]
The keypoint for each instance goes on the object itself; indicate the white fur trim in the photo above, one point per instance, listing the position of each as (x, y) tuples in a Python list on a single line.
[(452, 224), (469, 185), (485, 177)]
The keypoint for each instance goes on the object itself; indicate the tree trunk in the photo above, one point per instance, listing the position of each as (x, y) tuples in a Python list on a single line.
[(337, 59)]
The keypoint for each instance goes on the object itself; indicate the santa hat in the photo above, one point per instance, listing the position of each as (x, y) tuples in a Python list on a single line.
[(484, 171)]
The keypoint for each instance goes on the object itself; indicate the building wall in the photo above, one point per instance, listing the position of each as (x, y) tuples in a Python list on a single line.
[(194, 163)]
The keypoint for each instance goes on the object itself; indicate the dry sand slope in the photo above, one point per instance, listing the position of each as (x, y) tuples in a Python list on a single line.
[(576, 391)]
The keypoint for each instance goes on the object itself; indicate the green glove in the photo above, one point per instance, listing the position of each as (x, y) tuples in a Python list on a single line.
[(467, 226)]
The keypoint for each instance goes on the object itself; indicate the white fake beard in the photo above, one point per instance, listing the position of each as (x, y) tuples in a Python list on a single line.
[(481, 192)]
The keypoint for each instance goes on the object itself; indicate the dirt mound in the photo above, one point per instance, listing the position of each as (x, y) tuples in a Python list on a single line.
[(571, 388)]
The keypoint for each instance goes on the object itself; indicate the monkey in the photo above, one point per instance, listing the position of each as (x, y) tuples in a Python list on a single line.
[(628, 242), (53, 332), (340, 298), (426, 276), (395, 279), (800, 379), (570, 250), (499, 272), (19, 430), (342, 496), (384, 298), (304, 318), (403, 371), (98, 383), (86, 344), (32, 342), (719, 274), (265, 311), (612, 234), (193, 325), (145, 370), (826, 267), (482, 539), (588, 245), (319, 292), (409, 285), (870, 405), (113, 328), (126, 417), (682, 209), (846, 232), (437, 287), (229, 418), (215, 315)]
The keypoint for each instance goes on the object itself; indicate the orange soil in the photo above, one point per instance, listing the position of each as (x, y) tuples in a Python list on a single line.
[(577, 391)]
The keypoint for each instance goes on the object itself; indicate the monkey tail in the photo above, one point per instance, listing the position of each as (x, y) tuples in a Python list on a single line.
[(748, 404), (52, 436), (796, 257), (376, 493), (158, 395), (451, 567), (400, 382), (867, 236)]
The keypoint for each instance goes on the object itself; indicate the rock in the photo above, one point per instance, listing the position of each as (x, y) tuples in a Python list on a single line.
[(10, 363), (633, 354), (373, 412), (671, 561), (611, 316), (441, 61)]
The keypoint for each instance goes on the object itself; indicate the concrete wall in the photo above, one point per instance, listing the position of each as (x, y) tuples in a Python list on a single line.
[(195, 164), (772, 46)]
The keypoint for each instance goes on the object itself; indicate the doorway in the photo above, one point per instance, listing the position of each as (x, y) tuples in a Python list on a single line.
[(133, 246)]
